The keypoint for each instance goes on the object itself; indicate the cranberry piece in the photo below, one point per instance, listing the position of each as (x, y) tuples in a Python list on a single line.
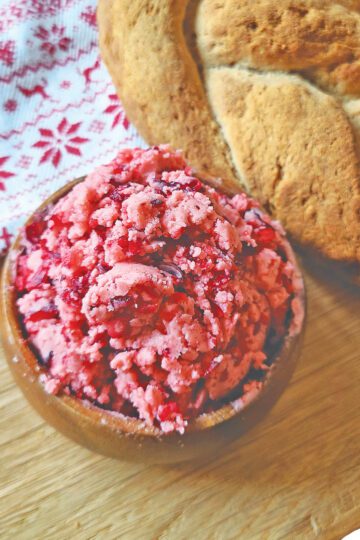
[(22, 273), (132, 247), (20, 282), (93, 223), (78, 287), (119, 302), (173, 184), (218, 282), (168, 411), (264, 235), (80, 284), (123, 242), (218, 312), (194, 185), (49, 311), (255, 224), (159, 325), (172, 269), (163, 187), (34, 230), (69, 296), (203, 263), (102, 340), (103, 267), (179, 298), (118, 169), (36, 279), (56, 220)]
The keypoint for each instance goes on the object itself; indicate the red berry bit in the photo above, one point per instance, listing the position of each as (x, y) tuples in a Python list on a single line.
[(264, 235), (194, 185), (49, 311), (179, 298), (118, 169), (168, 411), (103, 267), (218, 282), (164, 188), (218, 312), (56, 220), (131, 247), (22, 273), (77, 289), (36, 279), (172, 269), (34, 230), (123, 242), (119, 302)]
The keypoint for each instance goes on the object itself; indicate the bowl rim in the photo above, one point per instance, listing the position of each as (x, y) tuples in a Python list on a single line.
[(116, 420)]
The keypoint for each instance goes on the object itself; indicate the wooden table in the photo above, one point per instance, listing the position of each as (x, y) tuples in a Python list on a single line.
[(296, 475)]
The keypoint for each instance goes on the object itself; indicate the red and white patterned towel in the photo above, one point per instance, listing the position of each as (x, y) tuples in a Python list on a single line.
[(59, 113)]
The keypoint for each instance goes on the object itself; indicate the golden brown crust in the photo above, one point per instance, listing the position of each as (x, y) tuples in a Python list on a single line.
[(293, 140), (295, 148), (290, 35), (144, 49)]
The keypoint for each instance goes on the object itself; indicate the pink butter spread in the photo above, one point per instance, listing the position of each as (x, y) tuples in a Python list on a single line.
[(151, 294)]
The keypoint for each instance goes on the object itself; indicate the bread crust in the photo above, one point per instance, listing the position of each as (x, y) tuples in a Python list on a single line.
[(143, 46), (271, 148), (318, 38), (275, 107)]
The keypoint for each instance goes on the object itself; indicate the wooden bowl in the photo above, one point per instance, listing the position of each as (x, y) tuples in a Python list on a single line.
[(122, 437)]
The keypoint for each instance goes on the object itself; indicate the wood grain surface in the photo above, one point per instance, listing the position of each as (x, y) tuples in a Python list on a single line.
[(296, 475)]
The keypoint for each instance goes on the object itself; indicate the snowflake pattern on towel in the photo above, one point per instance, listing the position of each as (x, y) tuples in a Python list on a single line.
[(59, 112)]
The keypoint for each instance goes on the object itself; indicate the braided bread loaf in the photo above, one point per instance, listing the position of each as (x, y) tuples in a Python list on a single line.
[(263, 93)]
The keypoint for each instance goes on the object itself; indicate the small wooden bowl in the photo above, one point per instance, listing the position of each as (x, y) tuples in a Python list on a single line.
[(122, 437)]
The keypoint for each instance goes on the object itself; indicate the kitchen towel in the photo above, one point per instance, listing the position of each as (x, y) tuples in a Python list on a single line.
[(59, 113)]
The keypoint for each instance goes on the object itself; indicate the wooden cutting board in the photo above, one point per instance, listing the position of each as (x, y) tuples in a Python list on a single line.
[(296, 475)]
